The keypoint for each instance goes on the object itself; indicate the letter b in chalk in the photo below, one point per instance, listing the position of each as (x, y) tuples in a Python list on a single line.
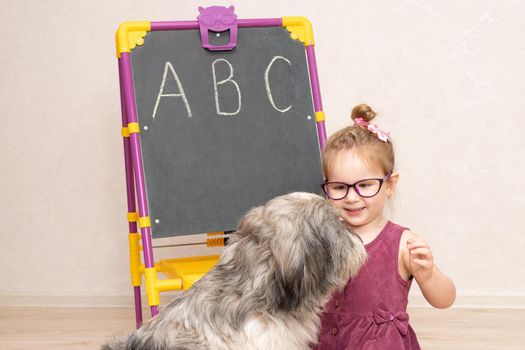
[(228, 80)]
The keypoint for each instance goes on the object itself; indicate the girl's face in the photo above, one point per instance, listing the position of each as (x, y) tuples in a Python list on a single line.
[(358, 212)]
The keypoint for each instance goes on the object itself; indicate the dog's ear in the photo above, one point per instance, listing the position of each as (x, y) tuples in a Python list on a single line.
[(286, 294), (289, 256), (301, 272)]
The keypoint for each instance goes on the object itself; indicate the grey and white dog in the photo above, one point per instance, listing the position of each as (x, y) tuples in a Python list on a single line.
[(268, 288)]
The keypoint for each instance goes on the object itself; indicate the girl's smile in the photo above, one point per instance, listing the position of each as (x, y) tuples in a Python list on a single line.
[(354, 211)]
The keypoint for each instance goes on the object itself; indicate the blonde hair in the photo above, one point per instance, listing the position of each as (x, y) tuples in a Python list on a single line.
[(374, 151)]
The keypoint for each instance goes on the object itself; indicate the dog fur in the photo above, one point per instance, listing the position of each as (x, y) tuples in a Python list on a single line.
[(269, 287)]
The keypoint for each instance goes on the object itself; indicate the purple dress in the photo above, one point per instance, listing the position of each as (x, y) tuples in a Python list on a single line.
[(370, 313)]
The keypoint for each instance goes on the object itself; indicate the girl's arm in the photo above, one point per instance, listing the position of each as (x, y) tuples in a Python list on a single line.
[(438, 289)]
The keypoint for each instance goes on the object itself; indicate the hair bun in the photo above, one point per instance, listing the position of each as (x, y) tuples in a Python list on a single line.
[(363, 111)]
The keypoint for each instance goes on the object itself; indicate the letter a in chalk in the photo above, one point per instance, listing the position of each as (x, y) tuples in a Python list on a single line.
[(169, 66), (216, 84)]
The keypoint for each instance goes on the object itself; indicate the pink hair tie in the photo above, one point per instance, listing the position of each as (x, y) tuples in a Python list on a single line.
[(381, 134)]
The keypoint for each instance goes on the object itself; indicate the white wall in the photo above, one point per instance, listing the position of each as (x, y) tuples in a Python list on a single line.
[(447, 77)]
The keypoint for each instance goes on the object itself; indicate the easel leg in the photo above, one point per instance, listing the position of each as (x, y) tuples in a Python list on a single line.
[(135, 152), (132, 222)]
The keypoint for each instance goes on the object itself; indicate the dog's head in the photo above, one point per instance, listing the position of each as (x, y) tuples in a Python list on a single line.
[(297, 246)]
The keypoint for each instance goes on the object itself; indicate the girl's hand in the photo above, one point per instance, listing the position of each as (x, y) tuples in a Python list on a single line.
[(418, 261), (421, 262)]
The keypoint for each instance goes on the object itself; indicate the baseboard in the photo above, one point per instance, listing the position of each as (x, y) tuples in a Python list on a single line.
[(462, 301), (78, 300), (476, 301)]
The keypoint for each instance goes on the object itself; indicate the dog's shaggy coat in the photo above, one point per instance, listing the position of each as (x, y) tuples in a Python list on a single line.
[(269, 287)]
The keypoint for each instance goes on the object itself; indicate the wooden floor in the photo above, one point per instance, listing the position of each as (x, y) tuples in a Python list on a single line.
[(86, 328)]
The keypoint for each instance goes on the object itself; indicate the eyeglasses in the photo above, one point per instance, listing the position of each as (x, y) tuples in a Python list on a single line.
[(365, 188)]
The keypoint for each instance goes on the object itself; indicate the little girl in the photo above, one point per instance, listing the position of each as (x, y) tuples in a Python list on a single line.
[(370, 313)]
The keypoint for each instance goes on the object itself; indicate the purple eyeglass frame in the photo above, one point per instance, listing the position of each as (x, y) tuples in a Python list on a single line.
[(349, 186)]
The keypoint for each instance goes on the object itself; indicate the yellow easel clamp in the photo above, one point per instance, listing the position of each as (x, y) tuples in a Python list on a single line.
[(125, 132), (150, 275), (154, 286), (300, 29), (133, 128), (134, 259), (131, 34), (133, 216), (319, 116), (144, 221)]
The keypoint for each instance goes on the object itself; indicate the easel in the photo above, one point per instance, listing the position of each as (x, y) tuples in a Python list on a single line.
[(181, 273)]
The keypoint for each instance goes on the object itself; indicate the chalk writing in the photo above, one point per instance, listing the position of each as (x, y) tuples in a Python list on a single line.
[(229, 79), (161, 94), (267, 83), (168, 67)]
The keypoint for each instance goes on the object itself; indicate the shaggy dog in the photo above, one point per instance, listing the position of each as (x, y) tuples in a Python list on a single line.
[(269, 287)]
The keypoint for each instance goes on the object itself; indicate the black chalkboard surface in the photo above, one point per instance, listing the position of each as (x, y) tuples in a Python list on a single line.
[(222, 131)]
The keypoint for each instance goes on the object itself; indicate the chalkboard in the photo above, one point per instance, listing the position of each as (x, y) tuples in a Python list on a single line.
[(224, 131)]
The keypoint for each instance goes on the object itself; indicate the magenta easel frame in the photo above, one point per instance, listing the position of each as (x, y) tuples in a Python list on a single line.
[(131, 34)]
